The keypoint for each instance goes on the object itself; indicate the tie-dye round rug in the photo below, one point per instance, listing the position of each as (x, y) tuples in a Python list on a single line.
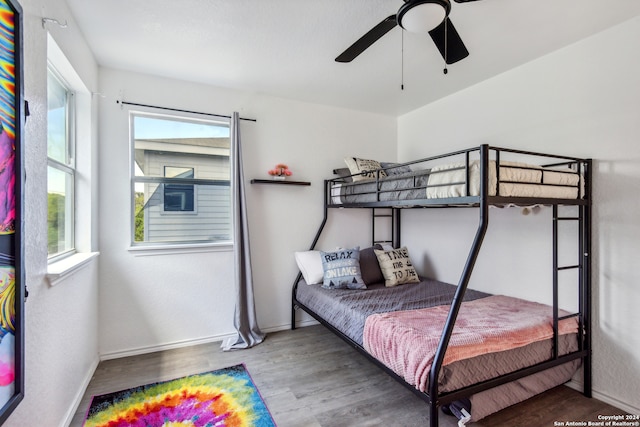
[(222, 398)]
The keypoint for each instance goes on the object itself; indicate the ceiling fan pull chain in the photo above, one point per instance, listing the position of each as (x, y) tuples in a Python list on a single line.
[(402, 61), (446, 48)]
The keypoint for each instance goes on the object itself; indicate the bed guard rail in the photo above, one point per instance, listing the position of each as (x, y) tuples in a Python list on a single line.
[(452, 179)]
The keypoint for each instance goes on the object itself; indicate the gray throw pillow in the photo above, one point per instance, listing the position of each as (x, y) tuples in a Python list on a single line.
[(369, 266), (342, 269)]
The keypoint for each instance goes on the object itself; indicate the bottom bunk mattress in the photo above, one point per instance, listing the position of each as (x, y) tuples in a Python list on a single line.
[(349, 310), (518, 331)]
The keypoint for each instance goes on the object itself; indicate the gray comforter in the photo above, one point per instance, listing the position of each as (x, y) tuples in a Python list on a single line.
[(407, 186), (347, 309)]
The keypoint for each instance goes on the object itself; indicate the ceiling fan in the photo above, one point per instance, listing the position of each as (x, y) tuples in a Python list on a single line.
[(419, 16)]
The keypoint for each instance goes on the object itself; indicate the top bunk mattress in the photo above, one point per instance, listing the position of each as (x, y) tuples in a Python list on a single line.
[(460, 179), (511, 179)]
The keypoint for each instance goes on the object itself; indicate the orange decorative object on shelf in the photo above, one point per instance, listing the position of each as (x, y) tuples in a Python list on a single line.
[(281, 171)]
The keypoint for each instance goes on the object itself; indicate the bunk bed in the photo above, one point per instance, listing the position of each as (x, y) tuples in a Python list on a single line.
[(380, 317)]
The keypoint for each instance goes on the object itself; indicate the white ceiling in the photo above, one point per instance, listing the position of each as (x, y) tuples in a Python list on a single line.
[(286, 48)]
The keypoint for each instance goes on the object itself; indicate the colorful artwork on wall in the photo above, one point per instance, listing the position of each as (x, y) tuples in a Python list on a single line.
[(11, 271)]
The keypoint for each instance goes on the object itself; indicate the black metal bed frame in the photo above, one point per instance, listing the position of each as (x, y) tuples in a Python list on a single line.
[(432, 396)]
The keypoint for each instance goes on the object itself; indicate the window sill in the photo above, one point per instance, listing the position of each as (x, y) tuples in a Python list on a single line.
[(171, 249), (59, 270)]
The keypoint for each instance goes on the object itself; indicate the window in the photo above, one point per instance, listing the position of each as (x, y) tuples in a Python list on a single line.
[(178, 197), (180, 180), (60, 166), (71, 168)]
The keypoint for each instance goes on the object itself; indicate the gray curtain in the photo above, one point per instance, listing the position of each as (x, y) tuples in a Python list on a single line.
[(245, 321)]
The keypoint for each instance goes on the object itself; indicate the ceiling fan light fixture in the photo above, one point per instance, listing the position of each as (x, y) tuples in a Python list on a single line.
[(422, 16)]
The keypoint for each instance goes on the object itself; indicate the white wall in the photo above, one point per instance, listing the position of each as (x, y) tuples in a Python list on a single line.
[(60, 322), (159, 300), (581, 101)]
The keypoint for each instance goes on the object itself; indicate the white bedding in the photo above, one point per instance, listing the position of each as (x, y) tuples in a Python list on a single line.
[(530, 182), (336, 192)]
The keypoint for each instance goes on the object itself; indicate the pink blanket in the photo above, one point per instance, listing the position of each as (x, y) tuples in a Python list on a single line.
[(406, 341)]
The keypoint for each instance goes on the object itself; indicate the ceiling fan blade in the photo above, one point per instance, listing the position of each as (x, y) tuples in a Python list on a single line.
[(463, 1), (456, 50), (368, 39)]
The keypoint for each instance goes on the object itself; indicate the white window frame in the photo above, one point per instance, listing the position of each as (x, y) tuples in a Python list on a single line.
[(85, 166), (68, 167), (147, 247)]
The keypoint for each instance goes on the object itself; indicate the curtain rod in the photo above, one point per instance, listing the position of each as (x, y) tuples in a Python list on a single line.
[(180, 111)]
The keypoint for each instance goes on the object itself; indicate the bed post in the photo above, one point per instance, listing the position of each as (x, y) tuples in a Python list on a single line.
[(313, 245), (396, 227), (293, 300), (586, 230), (462, 287)]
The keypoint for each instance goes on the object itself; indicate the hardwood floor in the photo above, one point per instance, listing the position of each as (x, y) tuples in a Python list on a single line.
[(311, 378)]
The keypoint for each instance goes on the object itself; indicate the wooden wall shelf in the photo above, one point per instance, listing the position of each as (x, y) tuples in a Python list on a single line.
[(279, 182)]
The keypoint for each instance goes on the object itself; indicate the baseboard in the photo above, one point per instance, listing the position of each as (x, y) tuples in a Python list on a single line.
[(629, 409), (285, 327), (187, 343), (160, 347), (80, 394), (304, 323)]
